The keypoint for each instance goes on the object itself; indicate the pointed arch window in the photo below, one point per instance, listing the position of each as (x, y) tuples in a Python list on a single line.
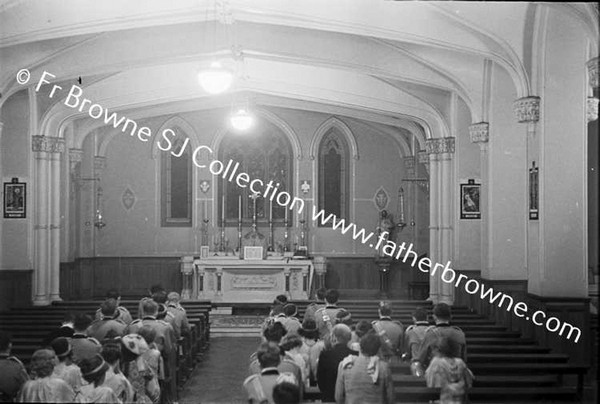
[(176, 183), (334, 168), (265, 155)]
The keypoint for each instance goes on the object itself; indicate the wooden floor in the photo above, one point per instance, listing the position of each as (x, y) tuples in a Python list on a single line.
[(507, 367)]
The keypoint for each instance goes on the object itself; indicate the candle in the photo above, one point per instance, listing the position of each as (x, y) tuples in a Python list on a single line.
[(240, 208), (270, 211), (205, 209), (286, 216), (223, 210)]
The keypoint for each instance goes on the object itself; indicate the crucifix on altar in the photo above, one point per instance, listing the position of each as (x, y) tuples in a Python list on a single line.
[(253, 237)]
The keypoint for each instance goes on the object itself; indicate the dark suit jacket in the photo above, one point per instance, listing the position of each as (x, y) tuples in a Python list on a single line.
[(328, 368)]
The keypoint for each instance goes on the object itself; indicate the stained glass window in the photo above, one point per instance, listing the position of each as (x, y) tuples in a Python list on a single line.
[(265, 154)]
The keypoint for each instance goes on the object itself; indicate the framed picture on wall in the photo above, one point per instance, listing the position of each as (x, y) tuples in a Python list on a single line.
[(469, 200), (15, 199)]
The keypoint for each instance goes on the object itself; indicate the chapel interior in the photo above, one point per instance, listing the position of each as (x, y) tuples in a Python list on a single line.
[(468, 130)]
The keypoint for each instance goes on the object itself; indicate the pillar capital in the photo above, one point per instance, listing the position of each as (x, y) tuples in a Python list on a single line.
[(440, 145), (48, 144), (592, 108), (592, 66), (527, 109), (479, 132)]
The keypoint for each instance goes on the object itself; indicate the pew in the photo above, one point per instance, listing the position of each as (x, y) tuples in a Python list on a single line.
[(507, 366), (29, 326)]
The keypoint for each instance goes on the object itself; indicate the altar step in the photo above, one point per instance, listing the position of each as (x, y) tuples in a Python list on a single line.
[(227, 325)]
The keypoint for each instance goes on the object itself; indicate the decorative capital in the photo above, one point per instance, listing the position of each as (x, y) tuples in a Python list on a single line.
[(409, 162), (479, 132), (527, 109), (592, 66), (99, 164), (48, 144), (440, 145), (592, 108)]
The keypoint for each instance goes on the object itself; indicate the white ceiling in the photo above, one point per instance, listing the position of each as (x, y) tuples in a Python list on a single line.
[(393, 63)]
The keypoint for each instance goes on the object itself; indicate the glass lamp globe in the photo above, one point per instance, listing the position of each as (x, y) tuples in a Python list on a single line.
[(216, 78), (241, 120)]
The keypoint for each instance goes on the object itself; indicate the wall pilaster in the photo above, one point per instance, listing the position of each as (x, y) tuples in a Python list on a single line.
[(47, 154), (441, 152), (479, 134)]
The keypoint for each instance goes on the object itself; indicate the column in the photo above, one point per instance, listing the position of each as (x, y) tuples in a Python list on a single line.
[(47, 211), (433, 221), (593, 181), (447, 218), (480, 134), (441, 232), (55, 225)]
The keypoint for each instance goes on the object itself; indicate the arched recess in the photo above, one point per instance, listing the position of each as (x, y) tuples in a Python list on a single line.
[(169, 123), (275, 120), (175, 174), (346, 133), (287, 130), (333, 122)]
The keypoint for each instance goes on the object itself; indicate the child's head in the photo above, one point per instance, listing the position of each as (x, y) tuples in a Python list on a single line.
[(148, 333), (419, 315), (447, 347)]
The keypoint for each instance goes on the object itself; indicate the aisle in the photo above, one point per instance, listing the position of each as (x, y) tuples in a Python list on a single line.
[(219, 377)]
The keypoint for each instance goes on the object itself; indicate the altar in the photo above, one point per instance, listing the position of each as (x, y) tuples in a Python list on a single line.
[(230, 279)]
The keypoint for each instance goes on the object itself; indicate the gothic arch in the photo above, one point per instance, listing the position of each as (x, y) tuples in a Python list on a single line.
[(333, 122)]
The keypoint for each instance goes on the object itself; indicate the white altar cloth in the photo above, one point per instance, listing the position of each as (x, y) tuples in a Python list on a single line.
[(229, 279)]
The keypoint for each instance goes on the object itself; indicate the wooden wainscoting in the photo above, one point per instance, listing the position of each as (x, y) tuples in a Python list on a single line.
[(358, 277), (15, 288), (91, 277)]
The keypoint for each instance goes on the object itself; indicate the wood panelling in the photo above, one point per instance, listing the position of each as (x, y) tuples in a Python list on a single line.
[(132, 276), (361, 273), (574, 311), (15, 288)]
